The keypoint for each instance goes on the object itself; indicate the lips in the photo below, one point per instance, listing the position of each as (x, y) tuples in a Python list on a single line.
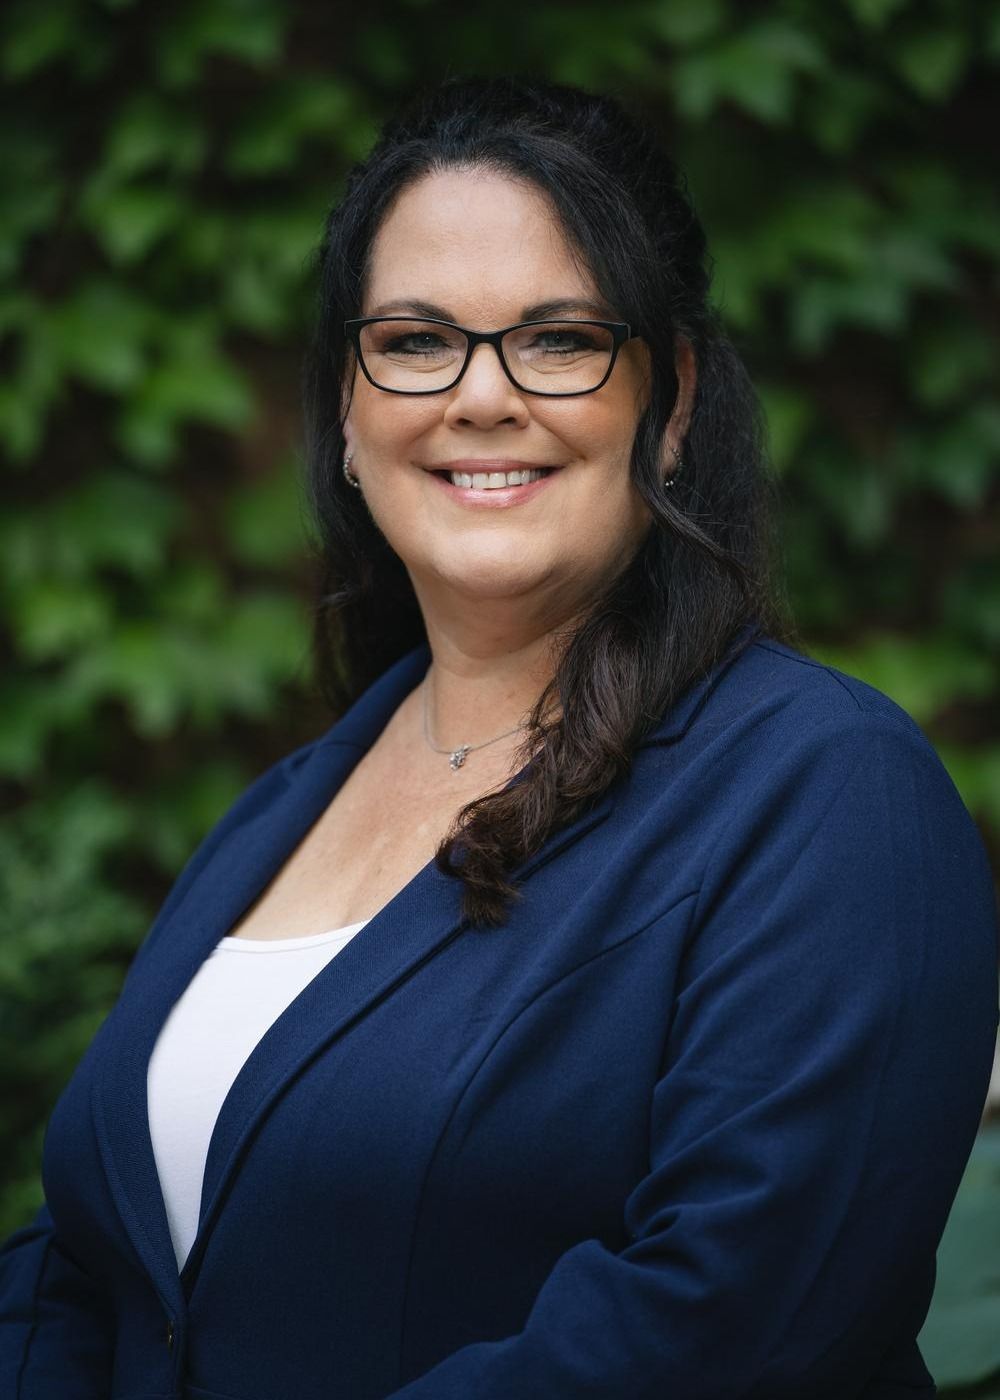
[(472, 465), (492, 473), (495, 480), (468, 482)]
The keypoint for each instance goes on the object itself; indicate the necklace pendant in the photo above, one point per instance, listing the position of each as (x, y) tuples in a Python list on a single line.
[(457, 758)]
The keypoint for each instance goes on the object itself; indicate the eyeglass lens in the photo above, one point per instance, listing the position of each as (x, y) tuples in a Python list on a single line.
[(556, 357)]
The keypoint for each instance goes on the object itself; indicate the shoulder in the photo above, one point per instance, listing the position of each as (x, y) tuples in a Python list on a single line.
[(768, 697), (799, 800), (769, 677), (772, 742)]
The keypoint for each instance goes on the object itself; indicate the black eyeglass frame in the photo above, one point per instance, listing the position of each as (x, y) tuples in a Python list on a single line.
[(620, 333)]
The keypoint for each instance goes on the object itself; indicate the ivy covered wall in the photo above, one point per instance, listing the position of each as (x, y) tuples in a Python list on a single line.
[(164, 174)]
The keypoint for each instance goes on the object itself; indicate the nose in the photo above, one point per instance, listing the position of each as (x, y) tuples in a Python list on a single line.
[(484, 397)]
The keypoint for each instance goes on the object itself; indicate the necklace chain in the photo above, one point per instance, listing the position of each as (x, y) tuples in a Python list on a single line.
[(456, 757)]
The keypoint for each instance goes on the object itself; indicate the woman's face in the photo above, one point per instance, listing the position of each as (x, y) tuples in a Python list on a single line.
[(485, 249)]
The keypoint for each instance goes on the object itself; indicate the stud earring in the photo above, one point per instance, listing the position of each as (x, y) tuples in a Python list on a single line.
[(352, 479), (668, 481)]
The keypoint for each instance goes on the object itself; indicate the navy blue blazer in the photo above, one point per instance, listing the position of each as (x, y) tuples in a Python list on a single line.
[(689, 1126)]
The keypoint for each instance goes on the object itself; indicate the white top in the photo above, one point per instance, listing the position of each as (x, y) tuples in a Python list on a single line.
[(240, 990)]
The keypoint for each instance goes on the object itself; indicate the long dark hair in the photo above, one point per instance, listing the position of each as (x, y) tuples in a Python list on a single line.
[(705, 567)]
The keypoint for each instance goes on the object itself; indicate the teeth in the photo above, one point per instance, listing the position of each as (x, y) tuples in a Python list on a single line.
[(491, 481)]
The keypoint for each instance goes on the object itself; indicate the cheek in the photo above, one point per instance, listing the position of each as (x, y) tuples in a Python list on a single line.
[(385, 424), (597, 427)]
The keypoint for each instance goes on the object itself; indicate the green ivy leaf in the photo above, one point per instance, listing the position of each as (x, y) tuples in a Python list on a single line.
[(757, 70), (148, 132), (822, 305), (382, 52), (875, 14), (208, 388), (145, 435), (29, 393), (960, 459), (255, 297), (205, 241), (687, 22), (266, 643), (789, 414), (111, 521), (192, 593), (856, 493), (128, 220), (181, 810), (143, 666), (829, 224), (287, 235), (31, 189), (910, 257), (251, 31), (290, 113), (115, 521), (265, 520), (841, 106), (32, 708), (36, 35), (932, 60), (951, 360), (100, 333), (51, 617), (194, 380)]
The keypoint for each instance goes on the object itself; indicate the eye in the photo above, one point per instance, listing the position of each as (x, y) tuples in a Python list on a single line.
[(562, 340), (558, 342), (414, 343), (423, 344)]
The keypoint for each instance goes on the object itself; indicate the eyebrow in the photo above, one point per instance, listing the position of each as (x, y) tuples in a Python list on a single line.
[(541, 311)]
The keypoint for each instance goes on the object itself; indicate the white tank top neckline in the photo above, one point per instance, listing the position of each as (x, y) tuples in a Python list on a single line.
[(232, 1000), (230, 944)]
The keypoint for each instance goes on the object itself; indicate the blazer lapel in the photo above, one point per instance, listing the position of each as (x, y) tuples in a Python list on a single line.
[(237, 873), (422, 919), (416, 924)]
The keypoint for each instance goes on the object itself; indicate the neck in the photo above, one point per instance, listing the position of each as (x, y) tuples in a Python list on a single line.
[(473, 695), (491, 660), (489, 665)]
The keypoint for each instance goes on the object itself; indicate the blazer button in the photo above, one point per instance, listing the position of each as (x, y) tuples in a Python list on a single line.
[(170, 1336)]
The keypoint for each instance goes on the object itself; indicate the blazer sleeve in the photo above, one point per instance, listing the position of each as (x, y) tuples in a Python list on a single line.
[(827, 1058), (56, 1334)]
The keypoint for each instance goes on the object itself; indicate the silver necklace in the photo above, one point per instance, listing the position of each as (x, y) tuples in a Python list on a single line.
[(456, 757)]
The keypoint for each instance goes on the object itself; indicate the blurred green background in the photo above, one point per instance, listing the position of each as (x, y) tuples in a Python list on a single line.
[(164, 174)]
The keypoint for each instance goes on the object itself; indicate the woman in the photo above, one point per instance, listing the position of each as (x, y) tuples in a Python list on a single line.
[(604, 1006)]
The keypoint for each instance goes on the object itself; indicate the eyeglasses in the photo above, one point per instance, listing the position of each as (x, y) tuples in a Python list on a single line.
[(404, 355)]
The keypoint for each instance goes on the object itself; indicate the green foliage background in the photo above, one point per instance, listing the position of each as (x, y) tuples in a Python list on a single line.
[(164, 174)]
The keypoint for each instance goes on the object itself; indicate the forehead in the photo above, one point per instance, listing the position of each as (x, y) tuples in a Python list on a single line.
[(478, 242)]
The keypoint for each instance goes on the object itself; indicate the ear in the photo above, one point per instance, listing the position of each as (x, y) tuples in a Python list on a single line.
[(686, 370)]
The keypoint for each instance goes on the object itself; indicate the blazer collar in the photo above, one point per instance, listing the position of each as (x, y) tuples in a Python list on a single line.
[(423, 918), (685, 710)]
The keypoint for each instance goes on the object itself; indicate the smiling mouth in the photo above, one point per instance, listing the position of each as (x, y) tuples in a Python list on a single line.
[(495, 481)]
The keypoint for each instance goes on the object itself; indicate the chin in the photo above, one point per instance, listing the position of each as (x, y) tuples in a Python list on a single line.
[(493, 577)]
